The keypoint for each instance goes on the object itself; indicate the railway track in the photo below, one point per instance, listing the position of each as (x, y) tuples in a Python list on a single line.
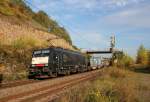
[(17, 83), (46, 90), (22, 82)]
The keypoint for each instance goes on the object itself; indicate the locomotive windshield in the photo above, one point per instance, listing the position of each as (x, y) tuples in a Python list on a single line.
[(40, 57), (41, 53)]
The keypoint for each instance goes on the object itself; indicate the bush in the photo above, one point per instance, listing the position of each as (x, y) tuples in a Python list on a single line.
[(142, 56), (16, 62), (117, 73), (106, 89), (125, 91), (24, 42), (124, 60), (96, 97), (149, 57), (17, 56), (14, 76), (42, 18), (5, 9)]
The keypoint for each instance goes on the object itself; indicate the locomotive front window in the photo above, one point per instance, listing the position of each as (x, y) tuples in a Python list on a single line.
[(37, 52), (45, 51), (41, 53)]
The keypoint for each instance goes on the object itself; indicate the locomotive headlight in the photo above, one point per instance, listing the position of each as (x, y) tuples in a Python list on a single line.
[(46, 64), (33, 65)]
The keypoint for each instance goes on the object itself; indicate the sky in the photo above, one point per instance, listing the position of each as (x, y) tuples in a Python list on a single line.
[(90, 23)]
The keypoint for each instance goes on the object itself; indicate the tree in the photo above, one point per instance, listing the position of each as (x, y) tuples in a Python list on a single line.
[(42, 18), (124, 60), (142, 56), (148, 57)]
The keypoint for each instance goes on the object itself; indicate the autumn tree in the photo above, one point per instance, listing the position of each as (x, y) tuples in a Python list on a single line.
[(148, 57), (125, 60), (42, 18), (142, 56)]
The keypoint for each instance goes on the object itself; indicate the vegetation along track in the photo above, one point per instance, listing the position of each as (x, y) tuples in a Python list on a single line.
[(44, 90)]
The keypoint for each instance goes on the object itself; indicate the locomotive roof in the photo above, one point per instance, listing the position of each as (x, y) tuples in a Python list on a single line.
[(68, 51), (61, 49)]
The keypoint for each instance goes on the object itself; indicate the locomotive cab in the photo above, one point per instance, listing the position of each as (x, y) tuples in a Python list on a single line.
[(39, 63)]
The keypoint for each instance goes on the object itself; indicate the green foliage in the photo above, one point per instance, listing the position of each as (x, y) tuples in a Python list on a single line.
[(42, 18), (5, 9), (15, 8), (61, 32), (15, 76), (24, 42), (124, 60), (142, 56), (75, 47), (149, 57), (96, 97), (117, 73), (104, 88)]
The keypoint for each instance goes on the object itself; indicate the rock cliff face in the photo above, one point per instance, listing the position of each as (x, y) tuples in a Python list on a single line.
[(19, 12), (9, 32)]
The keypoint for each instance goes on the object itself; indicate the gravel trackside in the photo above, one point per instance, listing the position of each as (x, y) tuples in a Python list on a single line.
[(7, 92)]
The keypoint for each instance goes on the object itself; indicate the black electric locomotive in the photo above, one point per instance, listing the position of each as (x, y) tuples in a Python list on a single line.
[(53, 61)]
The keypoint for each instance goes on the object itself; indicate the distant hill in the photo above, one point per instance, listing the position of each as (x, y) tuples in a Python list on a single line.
[(21, 13)]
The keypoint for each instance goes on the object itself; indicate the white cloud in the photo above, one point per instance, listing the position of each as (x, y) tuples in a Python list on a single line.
[(92, 4), (82, 5), (120, 2), (133, 17), (85, 4), (68, 9), (91, 39)]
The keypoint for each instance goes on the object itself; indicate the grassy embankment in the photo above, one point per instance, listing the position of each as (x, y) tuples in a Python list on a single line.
[(19, 11), (114, 85), (15, 58)]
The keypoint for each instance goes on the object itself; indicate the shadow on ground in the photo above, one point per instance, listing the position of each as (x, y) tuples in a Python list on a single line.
[(145, 70)]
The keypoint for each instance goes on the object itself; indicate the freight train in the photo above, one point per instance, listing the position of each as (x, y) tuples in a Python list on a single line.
[(51, 62)]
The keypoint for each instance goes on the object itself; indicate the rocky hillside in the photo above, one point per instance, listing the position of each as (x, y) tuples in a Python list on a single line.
[(10, 33), (22, 31), (19, 13)]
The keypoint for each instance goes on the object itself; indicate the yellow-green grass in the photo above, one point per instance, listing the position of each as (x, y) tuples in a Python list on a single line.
[(114, 85), (16, 56)]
